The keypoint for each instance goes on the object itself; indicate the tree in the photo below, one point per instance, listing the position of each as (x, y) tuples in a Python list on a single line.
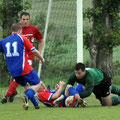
[(104, 34)]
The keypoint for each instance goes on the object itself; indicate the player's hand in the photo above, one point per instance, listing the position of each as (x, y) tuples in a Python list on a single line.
[(36, 59), (62, 83), (42, 60)]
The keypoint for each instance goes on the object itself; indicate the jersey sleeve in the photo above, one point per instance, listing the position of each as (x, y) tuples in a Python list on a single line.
[(1, 48), (45, 96), (28, 44), (71, 79), (38, 35), (88, 88)]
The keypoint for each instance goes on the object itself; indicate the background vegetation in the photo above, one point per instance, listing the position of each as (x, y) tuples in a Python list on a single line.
[(60, 48)]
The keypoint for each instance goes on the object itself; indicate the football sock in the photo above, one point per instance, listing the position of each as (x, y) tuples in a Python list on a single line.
[(79, 88), (115, 100), (115, 90), (59, 99), (30, 94), (72, 91), (12, 89)]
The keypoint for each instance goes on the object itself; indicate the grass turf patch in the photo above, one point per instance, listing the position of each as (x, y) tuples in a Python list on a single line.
[(94, 111)]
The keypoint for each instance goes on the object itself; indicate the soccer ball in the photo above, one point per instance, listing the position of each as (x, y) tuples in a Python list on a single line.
[(71, 101)]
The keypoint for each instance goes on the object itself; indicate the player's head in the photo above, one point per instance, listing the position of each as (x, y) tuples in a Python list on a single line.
[(25, 19), (16, 28), (80, 70)]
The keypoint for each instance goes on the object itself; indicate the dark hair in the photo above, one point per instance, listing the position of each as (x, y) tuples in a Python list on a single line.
[(79, 66), (24, 13), (15, 27)]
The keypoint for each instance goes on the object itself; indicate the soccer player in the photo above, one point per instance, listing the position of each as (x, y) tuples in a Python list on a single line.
[(16, 48), (50, 98), (47, 96), (31, 33), (95, 81)]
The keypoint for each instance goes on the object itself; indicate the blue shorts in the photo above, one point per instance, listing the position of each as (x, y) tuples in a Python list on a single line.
[(79, 88), (31, 78)]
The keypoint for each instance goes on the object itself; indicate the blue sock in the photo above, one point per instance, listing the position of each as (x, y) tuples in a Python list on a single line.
[(30, 94), (72, 91), (79, 88)]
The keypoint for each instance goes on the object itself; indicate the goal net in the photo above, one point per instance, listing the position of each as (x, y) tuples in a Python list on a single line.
[(60, 50)]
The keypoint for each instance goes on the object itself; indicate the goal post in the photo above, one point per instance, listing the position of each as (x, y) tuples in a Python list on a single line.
[(45, 34), (79, 31)]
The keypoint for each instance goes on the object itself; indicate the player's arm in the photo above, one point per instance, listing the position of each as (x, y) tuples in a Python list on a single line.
[(58, 92), (37, 53), (71, 81), (88, 89), (30, 47), (40, 47), (41, 44)]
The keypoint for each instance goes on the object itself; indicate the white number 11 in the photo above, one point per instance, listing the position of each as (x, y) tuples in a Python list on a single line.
[(14, 45)]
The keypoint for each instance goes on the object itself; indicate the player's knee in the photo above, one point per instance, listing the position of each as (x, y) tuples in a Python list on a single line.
[(106, 101)]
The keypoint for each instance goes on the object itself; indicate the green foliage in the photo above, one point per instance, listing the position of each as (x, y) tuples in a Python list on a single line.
[(111, 37), (27, 5), (9, 10)]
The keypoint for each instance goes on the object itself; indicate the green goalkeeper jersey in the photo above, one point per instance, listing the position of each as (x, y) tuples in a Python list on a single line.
[(92, 78)]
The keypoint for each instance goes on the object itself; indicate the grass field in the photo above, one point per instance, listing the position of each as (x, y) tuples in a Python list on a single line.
[(14, 111)]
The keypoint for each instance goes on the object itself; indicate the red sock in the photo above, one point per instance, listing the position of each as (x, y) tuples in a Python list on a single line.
[(12, 89)]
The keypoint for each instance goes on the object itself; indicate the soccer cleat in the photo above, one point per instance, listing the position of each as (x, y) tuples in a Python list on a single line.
[(37, 107), (4, 100), (82, 102), (25, 102), (11, 98)]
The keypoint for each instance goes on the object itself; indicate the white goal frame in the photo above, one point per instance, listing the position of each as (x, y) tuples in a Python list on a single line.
[(79, 21)]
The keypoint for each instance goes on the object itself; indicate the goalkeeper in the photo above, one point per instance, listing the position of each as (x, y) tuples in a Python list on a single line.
[(95, 81)]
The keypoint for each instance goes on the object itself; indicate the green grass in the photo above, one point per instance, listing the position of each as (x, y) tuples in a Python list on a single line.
[(94, 111)]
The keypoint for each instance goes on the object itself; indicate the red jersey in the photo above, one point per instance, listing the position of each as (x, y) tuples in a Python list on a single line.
[(45, 97), (32, 33)]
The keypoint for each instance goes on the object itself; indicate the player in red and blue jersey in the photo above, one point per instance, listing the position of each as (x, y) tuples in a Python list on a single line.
[(50, 98), (16, 48), (47, 96), (31, 33)]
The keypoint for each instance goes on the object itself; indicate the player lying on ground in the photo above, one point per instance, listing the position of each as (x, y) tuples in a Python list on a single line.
[(49, 97)]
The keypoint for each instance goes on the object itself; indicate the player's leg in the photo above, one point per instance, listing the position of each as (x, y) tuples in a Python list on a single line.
[(34, 81), (106, 89), (108, 100), (115, 90), (30, 94), (11, 92), (70, 90), (102, 92)]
